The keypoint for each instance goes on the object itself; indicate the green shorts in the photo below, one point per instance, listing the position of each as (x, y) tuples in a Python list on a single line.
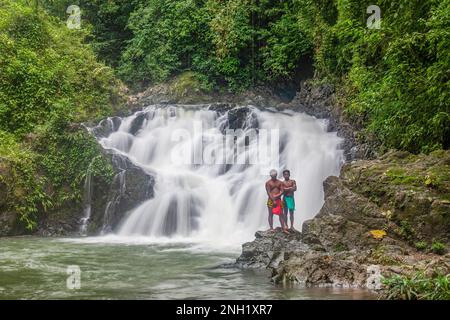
[(289, 203)]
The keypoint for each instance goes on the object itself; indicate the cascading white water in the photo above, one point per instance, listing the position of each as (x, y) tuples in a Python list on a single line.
[(87, 200), (219, 203)]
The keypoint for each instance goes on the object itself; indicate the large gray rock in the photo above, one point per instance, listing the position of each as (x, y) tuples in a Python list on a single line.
[(130, 187), (290, 258), (344, 219), (269, 249), (313, 268)]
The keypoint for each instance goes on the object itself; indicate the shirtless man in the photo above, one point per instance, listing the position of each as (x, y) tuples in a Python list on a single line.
[(274, 189), (289, 187)]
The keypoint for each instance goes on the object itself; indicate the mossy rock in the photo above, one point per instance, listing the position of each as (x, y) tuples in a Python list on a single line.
[(414, 188), (187, 88)]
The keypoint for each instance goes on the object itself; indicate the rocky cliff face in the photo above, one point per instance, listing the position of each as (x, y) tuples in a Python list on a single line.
[(370, 217), (186, 89)]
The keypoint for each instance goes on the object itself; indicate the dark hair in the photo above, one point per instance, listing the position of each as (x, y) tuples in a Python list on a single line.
[(284, 171)]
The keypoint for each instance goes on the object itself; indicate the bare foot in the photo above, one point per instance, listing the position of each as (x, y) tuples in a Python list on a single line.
[(286, 231), (271, 230)]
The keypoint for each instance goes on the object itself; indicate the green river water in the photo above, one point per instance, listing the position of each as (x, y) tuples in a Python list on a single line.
[(36, 268)]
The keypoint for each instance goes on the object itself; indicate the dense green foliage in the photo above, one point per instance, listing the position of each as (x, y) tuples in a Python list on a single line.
[(418, 287), (396, 78), (234, 43), (107, 21), (393, 81), (226, 42), (46, 70), (49, 80), (438, 248), (49, 174)]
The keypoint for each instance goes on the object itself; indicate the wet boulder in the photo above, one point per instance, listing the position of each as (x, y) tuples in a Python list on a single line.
[(130, 186)]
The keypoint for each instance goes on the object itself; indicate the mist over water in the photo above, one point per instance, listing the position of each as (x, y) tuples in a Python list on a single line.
[(201, 198)]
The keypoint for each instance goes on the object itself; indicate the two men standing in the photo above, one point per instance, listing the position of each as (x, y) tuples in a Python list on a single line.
[(281, 199)]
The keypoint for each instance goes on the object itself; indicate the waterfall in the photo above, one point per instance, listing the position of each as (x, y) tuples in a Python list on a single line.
[(87, 201), (202, 190), (113, 199)]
